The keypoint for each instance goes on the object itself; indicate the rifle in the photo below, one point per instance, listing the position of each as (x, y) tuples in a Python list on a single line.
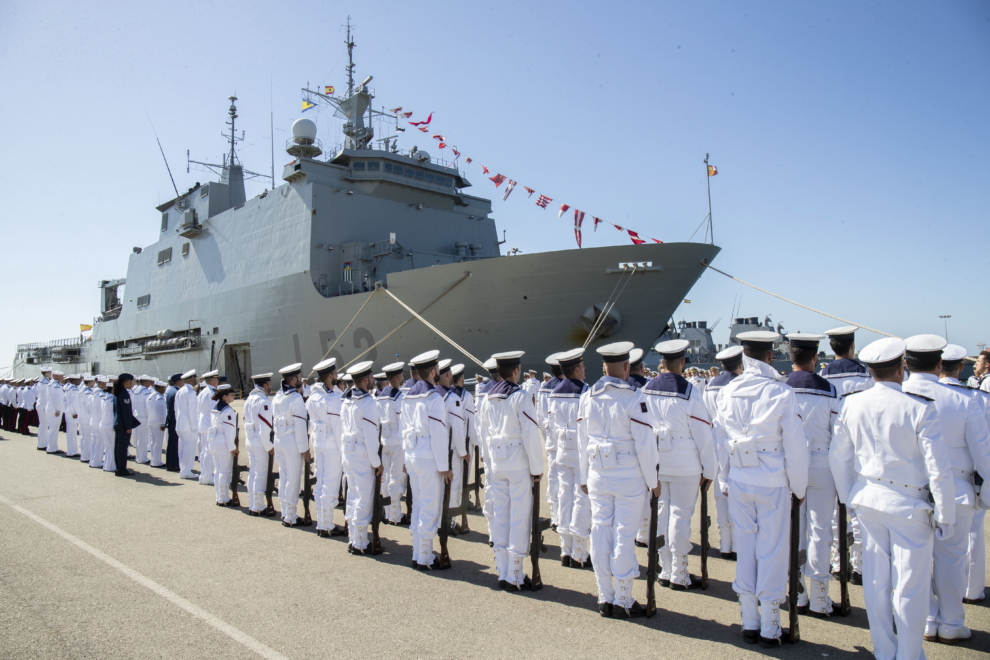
[(844, 539), (445, 515), (307, 493), (536, 543), (478, 471), (376, 512), (235, 477), (794, 580), (465, 496), (270, 483), (706, 522), (654, 559)]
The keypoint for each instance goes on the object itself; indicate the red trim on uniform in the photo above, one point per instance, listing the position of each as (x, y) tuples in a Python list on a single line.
[(265, 421), (228, 424), (334, 414), (633, 419), (701, 420), (369, 421), (437, 420), (298, 417), (455, 415), (530, 418)]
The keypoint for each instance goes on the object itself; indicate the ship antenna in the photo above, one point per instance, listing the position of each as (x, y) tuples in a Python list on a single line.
[(350, 59), (176, 188), (233, 135)]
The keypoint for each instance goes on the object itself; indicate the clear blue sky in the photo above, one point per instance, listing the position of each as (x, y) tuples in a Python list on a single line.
[(851, 138)]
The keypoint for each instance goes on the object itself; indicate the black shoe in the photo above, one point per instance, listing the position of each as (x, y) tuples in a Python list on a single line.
[(404, 521), (836, 608), (586, 564), (168, 469), (973, 601), (458, 530), (856, 578), (836, 574), (491, 544), (802, 609), (728, 556), (337, 531), (663, 582), (72, 456), (414, 564), (751, 636), (771, 643), (640, 544), (323, 534), (553, 526), (57, 451), (303, 523), (125, 473), (295, 524), (254, 513), (355, 551), (619, 612), (605, 610), (435, 566), (565, 561), (694, 582), (42, 449)]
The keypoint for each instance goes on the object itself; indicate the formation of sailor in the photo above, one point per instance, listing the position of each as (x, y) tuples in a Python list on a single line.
[(187, 424), (259, 435), (731, 360), (361, 440), (389, 399), (458, 430), (542, 403), (291, 442), (206, 405), (222, 441), (324, 409)]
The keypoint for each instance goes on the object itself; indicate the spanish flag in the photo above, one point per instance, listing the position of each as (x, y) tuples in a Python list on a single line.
[(328, 90), (307, 105), (84, 328), (712, 170)]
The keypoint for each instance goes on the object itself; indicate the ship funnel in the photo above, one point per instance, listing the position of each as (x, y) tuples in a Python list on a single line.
[(303, 141)]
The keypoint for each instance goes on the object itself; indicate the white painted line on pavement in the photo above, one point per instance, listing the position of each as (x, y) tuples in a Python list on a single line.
[(198, 612)]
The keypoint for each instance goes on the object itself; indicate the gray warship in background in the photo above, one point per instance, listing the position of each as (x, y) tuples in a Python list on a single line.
[(249, 285)]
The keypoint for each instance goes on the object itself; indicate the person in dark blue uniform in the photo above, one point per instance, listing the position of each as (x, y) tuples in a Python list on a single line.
[(124, 422), (172, 450)]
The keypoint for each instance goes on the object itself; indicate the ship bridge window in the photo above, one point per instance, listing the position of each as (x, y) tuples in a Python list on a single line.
[(373, 165), (421, 175), (144, 301), (164, 221), (358, 165), (164, 256)]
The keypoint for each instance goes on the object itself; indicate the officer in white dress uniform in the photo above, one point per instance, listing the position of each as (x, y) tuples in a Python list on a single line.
[(511, 435), (222, 441), (731, 359), (574, 525), (72, 406), (965, 434), (426, 442), (323, 408), (542, 403), (889, 460), (42, 390), (106, 426), (763, 460), (142, 435), (155, 406), (291, 442), (980, 380), (389, 401), (187, 425), (677, 412), (819, 403), (470, 414), (97, 445), (360, 435), (257, 431), (84, 406), (206, 406), (54, 409), (618, 451), (532, 385), (458, 434)]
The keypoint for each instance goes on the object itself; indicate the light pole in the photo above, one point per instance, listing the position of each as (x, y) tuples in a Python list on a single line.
[(945, 319)]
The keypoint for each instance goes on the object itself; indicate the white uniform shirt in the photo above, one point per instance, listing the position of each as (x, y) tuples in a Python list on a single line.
[(70, 394), (819, 404), (41, 390), (206, 406), (289, 411), (507, 422), (677, 412), (847, 376), (424, 425), (186, 410), (258, 420), (612, 422), (359, 424), (470, 416), (223, 429), (106, 411), (56, 398), (389, 402), (140, 402), (323, 408), (564, 403), (887, 453), (761, 440), (155, 407), (455, 418)]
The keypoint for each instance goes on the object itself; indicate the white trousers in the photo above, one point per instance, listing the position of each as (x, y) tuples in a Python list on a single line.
[(43, 422), (97, 447), (257, 480), (488, 504), (54, 422), (206, 467), (574, 505), (329, 471), (140, 438), (977, 570), (156, 440), (761, 517), (456, 486), (427, 489), (949, 574), (724, 522), (553, 485), (393, 481), (616, 510), (224, 462), (897, 566), (187, 453), (511, 523), (816, 533), (85, 442), (290, 469), (675, 507), (71, 435), (856, 549), (360, 495), (109, 439)]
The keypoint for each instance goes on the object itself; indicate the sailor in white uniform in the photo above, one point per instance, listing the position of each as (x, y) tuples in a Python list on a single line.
[(542, 403), (206, 406), (106, 426), (98, 444), (763, 460), (676, 410), (508, 427), (458, 434), (731, 359), (470, 419), (532, 385), (42, 390), (889, 460), (222, 441), (360, 431), (819, 403), (84, 406), (54, 409), (143, 434), (618, 451), (980, 380), (965, 434), (155, 406), (574, 525), (426, 443), (258, 431), (291, 442), (389, 401), (187, 425), (323, 408), (72, 406)]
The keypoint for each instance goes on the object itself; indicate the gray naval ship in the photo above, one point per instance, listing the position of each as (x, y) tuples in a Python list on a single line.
[(249, 285)]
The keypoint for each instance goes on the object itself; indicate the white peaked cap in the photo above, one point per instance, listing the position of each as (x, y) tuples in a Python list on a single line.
[(730, 352), (457, 369), (953, 352), (841, 332), (211, 374), (360, 369), (491, 363), (189, 374), (616, 352), (291, 369), (159, 383), (883, 350), (394, 368), (553, 360), (924, 344), (326, 364), (424, 358), (672, 347)]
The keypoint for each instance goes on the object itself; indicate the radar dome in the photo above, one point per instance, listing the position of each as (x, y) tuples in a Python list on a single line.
[(304, 128)]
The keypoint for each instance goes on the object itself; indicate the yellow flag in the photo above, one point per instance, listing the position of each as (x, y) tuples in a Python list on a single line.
[(83, 327), (712, 170), (306, 105)]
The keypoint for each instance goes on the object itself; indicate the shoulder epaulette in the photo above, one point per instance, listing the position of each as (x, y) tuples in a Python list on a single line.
[(851, 393), (920, 396), (960, 385)]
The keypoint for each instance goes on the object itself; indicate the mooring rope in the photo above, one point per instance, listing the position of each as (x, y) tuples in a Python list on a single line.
[(609, 304)]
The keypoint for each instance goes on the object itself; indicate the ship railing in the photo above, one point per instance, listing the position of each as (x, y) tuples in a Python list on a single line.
[(111, 314), (436, 160), (67, 343)]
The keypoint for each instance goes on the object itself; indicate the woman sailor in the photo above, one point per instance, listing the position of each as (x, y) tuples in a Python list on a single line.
[(223, 441)]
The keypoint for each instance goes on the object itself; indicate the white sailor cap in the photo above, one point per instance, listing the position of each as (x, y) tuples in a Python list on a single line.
[(159, 383), (211, 374), (804, 340), (729, 353), (348, 378), (570, 358), (842, 332), (425, 360), (189, 374), (444, 365), (457, 370), (146, 377), (952, 353), (553, 360), (46, 370), (103, 379), (225, 388), (491, 364), (673, 349), (262, 377), (290, 370), (57, 373), (508, 358), (925, 344), (617, 352), (758, 339), (546, 375), (326, 365), (380, 376), (636, 356), (111, 377), (393, 369), (884, 352), (360, 370)]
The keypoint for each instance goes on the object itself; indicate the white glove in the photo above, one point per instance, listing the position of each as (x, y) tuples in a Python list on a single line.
[(942, 531)]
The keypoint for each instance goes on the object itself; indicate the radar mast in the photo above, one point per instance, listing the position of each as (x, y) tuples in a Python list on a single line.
[(231, 172)]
